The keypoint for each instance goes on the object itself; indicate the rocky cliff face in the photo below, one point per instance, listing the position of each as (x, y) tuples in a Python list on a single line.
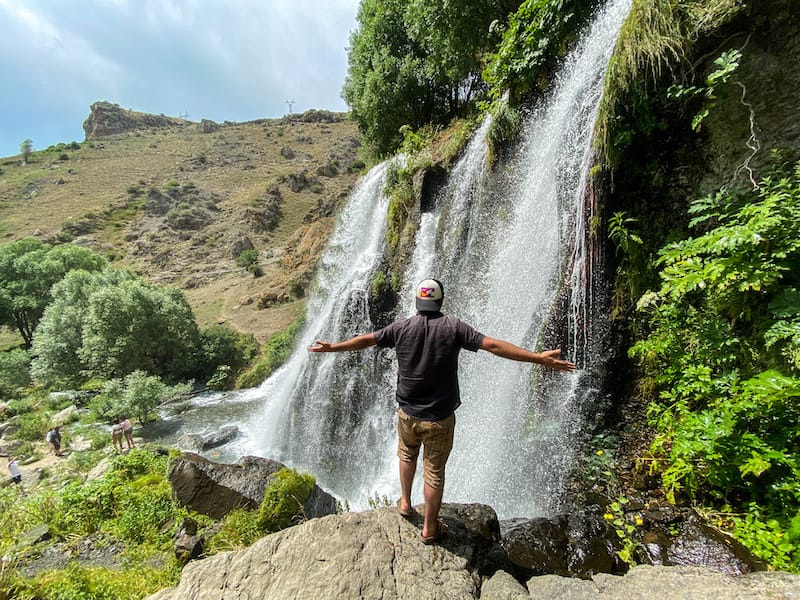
[(107, 119)]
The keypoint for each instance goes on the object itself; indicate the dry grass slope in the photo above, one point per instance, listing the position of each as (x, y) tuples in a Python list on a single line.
[(273, 185)]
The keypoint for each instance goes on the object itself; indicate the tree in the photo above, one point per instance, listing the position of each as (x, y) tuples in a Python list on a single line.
[(58, 339), (138, 395), (13, 372), (536, 34), (111, 323), (25, 148), (138, 326), (28, 270), (413, 62)]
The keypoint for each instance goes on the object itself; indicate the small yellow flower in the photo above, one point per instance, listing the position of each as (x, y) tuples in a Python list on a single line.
[(600, 453), (638, 520), (608, 517)]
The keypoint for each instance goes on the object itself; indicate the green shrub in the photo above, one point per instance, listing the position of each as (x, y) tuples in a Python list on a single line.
[(239, 529), (284, 499), (32, 426), (276, 351), (14, 372), (723, 354), (96, 583)]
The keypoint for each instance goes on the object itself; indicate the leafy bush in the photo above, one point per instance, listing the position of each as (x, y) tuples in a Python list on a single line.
[(32, 426), (137, 395), (724, 354), (225, 353), (239, 529), (276, 351), (283, 501), (537, 34), (96, 583), (14, 372), (247, 258)]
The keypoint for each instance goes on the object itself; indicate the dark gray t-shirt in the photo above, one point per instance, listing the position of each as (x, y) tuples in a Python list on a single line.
[(427, 347)]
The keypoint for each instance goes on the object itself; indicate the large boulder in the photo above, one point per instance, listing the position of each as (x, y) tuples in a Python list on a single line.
[(215, 489), (197, 442), (582, 544), (375, 554), (571, 545), (379, 555)]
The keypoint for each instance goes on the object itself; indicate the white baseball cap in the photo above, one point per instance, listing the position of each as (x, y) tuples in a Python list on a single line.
[(429, 295)]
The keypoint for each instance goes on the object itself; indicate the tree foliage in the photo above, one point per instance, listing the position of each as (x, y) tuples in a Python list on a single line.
[(536, 35), (137, 395), (28, 270), (25, 148), (111, 323), (724, 354), (14, 374), (412, 63)]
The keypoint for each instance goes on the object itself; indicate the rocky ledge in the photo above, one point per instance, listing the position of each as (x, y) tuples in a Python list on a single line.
[(379, 554)]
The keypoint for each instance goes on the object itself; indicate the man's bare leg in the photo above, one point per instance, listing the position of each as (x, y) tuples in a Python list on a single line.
[(407, 471), (433, 502)]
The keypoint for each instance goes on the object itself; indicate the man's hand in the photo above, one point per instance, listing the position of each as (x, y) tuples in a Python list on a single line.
[(552, 359), (320, 346)]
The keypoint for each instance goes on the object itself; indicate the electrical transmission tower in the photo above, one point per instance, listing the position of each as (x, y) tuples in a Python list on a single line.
[(290, 103)]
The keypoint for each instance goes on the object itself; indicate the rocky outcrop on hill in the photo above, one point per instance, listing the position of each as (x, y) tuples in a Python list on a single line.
[(379, 554), (108, 119)]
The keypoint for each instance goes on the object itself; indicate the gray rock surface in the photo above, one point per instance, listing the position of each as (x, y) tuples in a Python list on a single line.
[(667, 583), (370, 555), (379, 555), (214, 489)]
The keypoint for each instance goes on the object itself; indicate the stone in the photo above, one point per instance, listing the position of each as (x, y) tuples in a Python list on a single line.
[(675, 537), (196, 442), (215, 489), (572, 545), (379, 555), (65, 416), (187, 544), (370, 555)]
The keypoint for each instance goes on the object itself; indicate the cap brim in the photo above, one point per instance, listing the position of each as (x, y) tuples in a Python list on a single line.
[(425, 305)]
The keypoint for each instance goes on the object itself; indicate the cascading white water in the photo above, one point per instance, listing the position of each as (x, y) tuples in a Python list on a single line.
[(518, 426), (504, 251), (327, 413)]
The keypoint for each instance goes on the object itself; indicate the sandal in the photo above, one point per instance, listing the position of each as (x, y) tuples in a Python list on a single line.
[(441, 531), (406, 514)]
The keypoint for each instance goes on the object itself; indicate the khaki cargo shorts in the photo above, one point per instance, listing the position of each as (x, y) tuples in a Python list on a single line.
[(435, 436)]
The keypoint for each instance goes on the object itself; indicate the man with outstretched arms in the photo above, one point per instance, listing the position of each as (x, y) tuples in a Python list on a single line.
[(427, 347)]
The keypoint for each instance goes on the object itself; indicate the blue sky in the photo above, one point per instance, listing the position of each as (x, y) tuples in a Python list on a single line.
[(233, 60)]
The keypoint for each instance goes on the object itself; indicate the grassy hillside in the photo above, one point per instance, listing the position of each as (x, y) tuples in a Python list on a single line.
[(178, 204)]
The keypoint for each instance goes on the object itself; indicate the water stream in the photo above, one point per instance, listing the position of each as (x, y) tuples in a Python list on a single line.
[(508, 244)]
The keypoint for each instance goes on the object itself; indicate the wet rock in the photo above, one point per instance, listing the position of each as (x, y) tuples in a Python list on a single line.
[(676, 537), (573, 545), (196, 442)]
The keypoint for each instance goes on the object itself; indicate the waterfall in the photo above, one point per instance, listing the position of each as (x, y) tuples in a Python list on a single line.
[(327, 413), (519, 427), (508, 246)]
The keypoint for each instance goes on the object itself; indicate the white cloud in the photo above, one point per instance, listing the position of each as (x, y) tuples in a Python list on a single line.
[(218, 59)]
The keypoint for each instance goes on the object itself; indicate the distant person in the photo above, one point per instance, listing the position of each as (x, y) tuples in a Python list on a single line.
[(127, 429), (116, 435), (427, 347), (13, 468), (53, 437)]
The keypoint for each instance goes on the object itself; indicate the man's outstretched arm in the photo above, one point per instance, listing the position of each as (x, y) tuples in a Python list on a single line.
[(549, 358), (360, 342)]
